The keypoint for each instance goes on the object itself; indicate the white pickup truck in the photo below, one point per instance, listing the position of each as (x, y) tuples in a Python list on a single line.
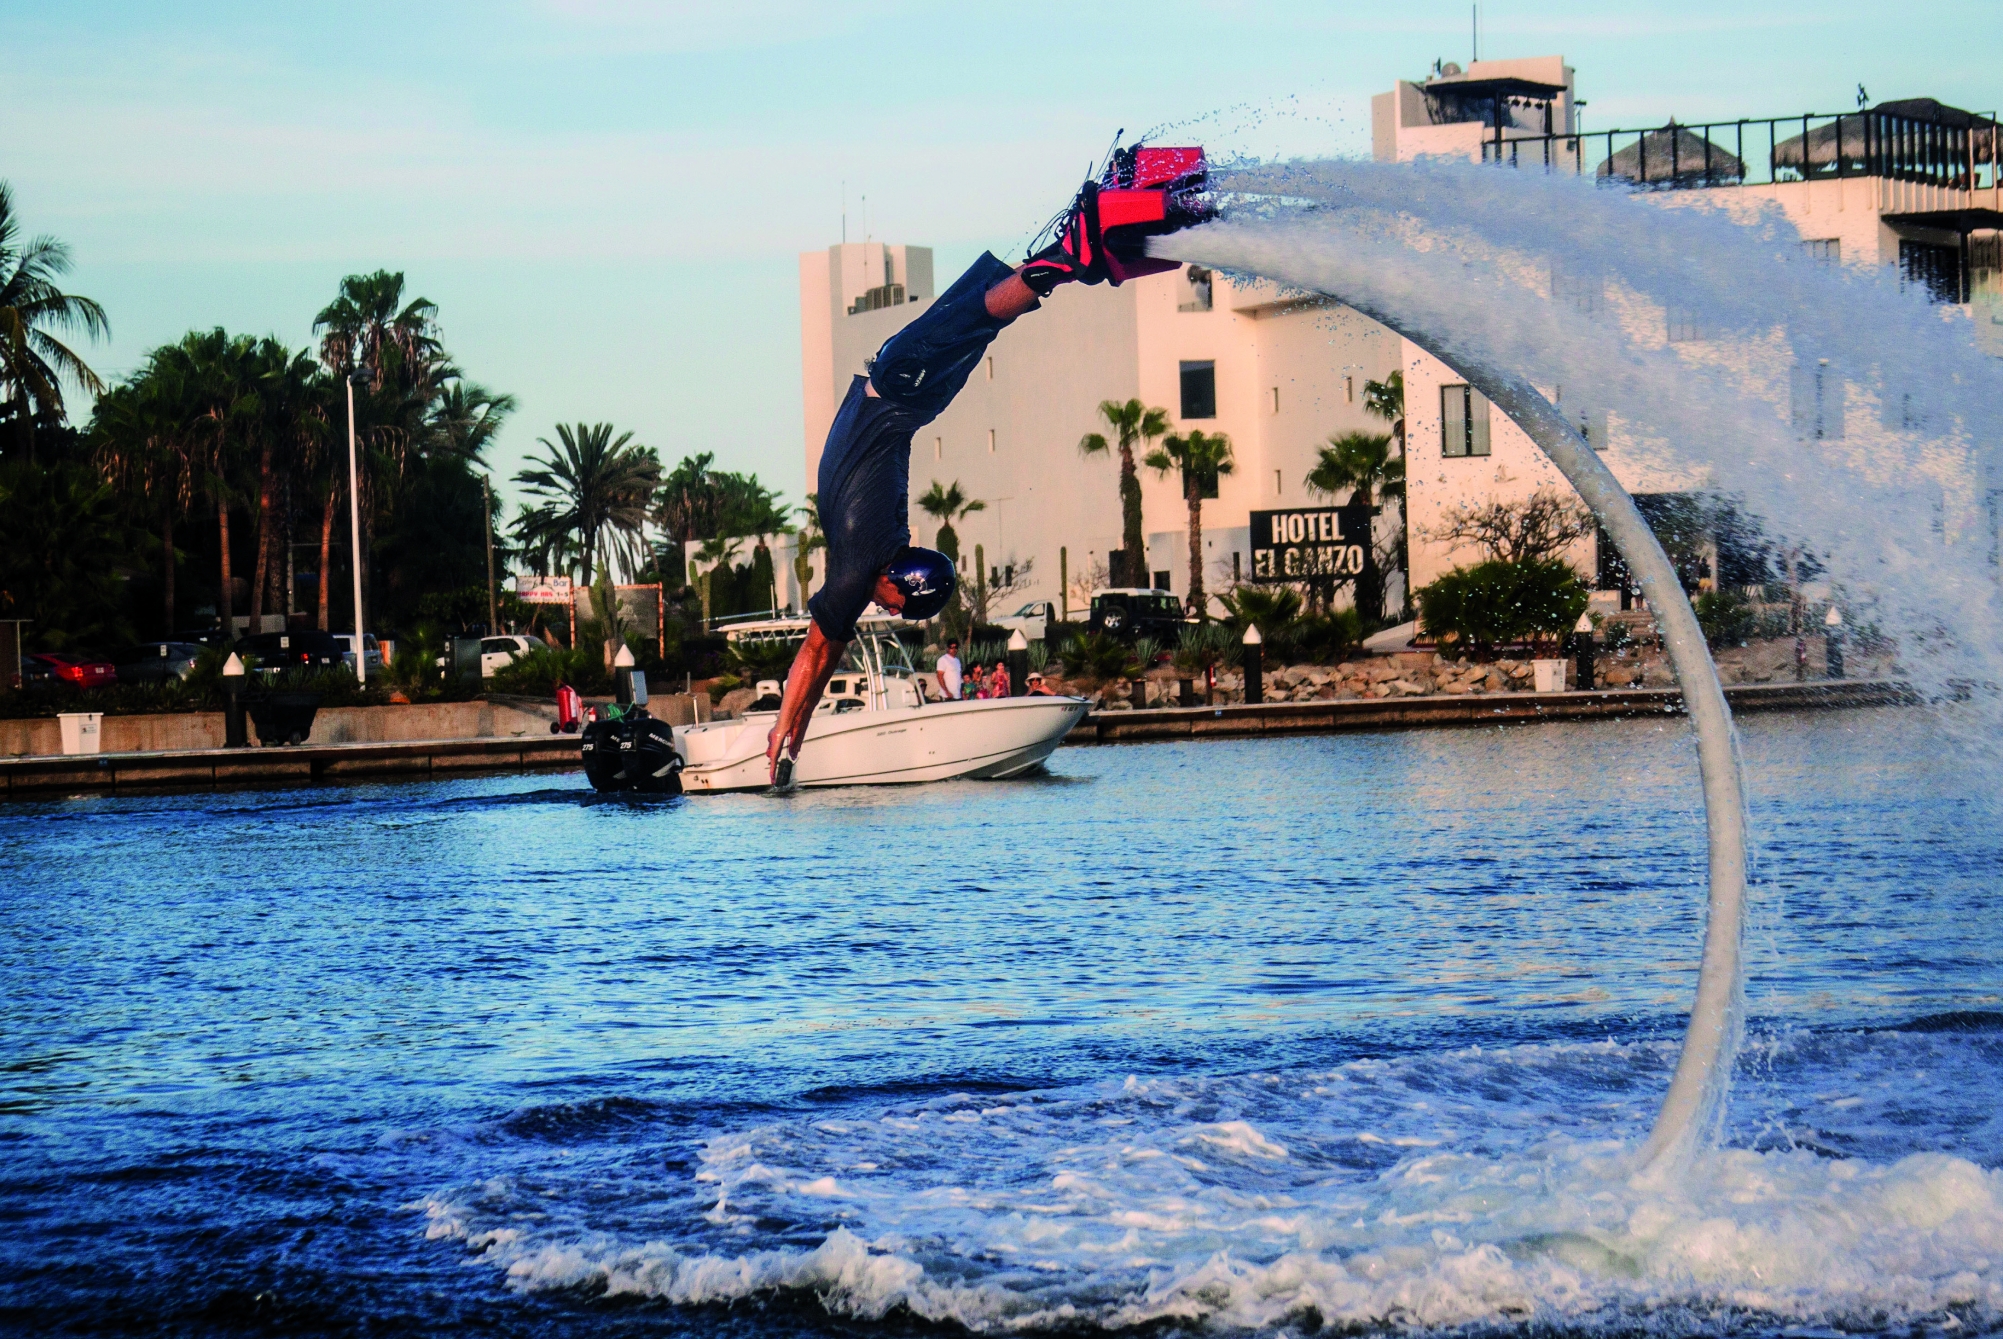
[(1033, 620)]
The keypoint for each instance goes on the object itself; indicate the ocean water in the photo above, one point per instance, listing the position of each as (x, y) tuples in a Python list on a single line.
[(1285, 1035)]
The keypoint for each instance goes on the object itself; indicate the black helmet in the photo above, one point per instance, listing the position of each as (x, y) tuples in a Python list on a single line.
[(926, 578)]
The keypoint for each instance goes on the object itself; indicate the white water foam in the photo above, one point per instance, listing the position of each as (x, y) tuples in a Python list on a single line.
[(1426, 1192)]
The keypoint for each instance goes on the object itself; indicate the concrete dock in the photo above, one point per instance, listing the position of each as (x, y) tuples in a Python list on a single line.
[(1433, 711), (222, 769)]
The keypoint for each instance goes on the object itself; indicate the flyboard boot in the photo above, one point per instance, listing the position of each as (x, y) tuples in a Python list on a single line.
[(1102, 236)]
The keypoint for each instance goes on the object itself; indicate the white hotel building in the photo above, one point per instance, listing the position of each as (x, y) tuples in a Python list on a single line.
[(1912, 183)]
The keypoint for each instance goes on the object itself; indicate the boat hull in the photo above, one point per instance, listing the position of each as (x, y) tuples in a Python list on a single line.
[(938, 742)]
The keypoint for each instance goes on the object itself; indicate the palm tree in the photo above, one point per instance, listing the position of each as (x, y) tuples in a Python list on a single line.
[(33, 362), (370, 325), (1362, 464), (1201, 456), (593, 487), (945, 503), (465, 419), (1386, 399), (1133, 424)]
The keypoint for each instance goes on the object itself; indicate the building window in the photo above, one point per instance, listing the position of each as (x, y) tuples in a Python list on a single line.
[(1823, 250), (1199, 290), (938, 448), (1199, 390), (1818, 401), (1237, 568), (991, 369), (1349, 389), (1276, 399), (1161, 581), (1463, 421), (991, 441), (1935, 268)]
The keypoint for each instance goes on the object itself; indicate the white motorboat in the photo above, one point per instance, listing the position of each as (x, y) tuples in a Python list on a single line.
[(874, 725)]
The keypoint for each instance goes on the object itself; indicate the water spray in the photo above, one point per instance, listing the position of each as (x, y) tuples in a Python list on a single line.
[(1703, 1068)]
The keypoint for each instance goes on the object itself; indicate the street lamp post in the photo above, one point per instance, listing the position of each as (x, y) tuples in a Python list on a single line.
[(355, 536)]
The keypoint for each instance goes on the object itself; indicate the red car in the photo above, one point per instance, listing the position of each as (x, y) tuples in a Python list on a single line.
[(83, 671)]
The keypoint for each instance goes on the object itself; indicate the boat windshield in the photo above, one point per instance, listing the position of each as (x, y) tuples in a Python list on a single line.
[(891, 654)]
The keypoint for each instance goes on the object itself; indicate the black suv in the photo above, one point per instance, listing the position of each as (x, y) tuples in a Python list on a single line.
[(1132, 613)]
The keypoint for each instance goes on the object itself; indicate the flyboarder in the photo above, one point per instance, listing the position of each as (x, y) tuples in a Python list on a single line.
[(866, 466)]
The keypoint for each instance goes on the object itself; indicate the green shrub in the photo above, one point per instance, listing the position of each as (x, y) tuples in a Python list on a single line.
[(1324, 638), (1205, 645), (1726, 618), (1493, 604), (535, 673), (1274, 609), (1098, 657)]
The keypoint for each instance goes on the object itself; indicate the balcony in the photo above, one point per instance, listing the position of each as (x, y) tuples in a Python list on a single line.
[(1919, 141)]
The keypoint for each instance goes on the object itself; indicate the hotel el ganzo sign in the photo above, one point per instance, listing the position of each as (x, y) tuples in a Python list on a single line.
[(1312, 543)]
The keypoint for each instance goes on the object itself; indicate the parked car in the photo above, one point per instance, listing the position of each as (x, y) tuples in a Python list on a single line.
[(157, 662), (347, 644), (81, 669), (306, 648), (1131, 612), (1034, 620), (210, 636), (497, 653)]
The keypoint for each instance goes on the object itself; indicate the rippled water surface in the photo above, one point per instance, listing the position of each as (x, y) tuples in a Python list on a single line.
[(1286, 1034)]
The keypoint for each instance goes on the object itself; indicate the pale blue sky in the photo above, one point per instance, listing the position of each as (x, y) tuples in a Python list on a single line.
[(605, 197)]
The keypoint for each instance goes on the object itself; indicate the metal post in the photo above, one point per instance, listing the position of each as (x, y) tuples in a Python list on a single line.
[(1832, 637), (1582, 654), (1018, 664), (487, 515), (355, 537), (1064, 584), (1254, 666), (234, 735)]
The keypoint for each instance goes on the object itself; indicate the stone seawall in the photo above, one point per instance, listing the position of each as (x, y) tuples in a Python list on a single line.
[(188, 730)]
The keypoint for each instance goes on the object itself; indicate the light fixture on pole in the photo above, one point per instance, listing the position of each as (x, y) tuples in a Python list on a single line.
[(355, 532)]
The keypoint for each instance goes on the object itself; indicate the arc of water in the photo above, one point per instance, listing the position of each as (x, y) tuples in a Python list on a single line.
[(1703, 1067)]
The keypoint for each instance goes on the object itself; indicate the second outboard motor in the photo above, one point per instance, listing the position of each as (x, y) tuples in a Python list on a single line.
[(624, 748)]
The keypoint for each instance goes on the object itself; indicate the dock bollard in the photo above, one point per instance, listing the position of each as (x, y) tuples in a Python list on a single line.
[(235, 736), (1018, 664), (622, 676), (1832, 636), (1254, 664), (1582, 654)]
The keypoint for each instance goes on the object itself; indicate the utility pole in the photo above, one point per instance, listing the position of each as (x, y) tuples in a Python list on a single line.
[(355, 536), (493, 600)]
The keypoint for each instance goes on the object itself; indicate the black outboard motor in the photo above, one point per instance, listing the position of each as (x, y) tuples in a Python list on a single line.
[(626, 749)]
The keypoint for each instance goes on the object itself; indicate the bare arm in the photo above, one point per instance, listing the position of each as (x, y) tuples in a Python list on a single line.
[(812, 668)]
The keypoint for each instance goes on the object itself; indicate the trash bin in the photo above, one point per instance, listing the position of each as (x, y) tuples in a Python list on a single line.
[(80, 730), (1548, 676), (285, 716)]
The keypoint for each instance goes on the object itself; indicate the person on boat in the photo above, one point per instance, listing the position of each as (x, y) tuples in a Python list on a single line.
[(947, 671), (998, 684), (977, 683), (865, 473), (1037, 686)]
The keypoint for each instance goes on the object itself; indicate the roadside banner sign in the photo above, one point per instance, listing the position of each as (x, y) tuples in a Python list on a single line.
[(543, 590), (1312, 544)]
